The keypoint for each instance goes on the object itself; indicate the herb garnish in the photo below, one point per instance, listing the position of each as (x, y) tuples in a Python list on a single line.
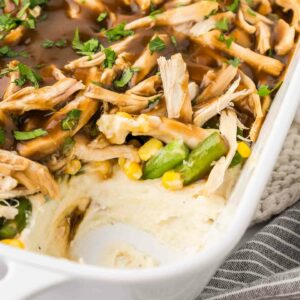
[(102, 16), (2, 135), (50, 44), (156, 44), (118, 32), (233, 6), (27, 75), (87, 48), (29, 135), (227, 41), (110, 57), (222, 24), (125, 78), (71, 120), (6, 51), (234, 62)]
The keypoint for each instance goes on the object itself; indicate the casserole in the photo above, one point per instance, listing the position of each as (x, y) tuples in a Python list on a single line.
[(180, 280)]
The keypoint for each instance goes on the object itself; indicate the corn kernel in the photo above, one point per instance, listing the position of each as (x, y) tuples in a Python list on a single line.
[(124, 114), (172, 180), (103, 169), (73, 167), (14, 243), (149, 149), (243, 149), (133, 170), (121, 162)]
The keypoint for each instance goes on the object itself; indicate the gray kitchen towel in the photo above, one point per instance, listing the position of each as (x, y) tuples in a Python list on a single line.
[(265, 267)]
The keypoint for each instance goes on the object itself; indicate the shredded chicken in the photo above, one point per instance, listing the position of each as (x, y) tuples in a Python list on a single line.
[(219, 84), (294, 6), (210, 23), (13, 76), (116, 128), (285, 36), (42, 146), (98, 58), (194, 12), (175, 79), (241, 22), (93, 5), (258, 61), (207, 109), (45, 98), (28, 173), (8, 212), (128, 103), (228, 128), (145, 4), (74, 9), (263, 35), (147, 61), (147, 87)]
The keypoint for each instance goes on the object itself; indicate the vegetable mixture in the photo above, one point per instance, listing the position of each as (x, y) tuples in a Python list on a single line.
[(169, 90)]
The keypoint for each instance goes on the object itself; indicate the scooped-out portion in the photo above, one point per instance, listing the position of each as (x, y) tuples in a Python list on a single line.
[(124, 125)]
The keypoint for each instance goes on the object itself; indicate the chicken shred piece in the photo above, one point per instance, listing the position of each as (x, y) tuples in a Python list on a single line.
[(73, 9), (254, 98), (193, 90), (13, 76), (219, 84), (258, 122), (147, 87), (99, 57), (210, 23), (45, 145), (116, 128), (147, 61), (195, 12), (45, 98), (8, 212), (228, 129), (285, 37), (207, 109), (260, 62), (263, 35), (28, 173), (175, 79), (253, 17), (126, 102), (145, 4), (242, 23), (294, 6), (265, 7), (93, 5)]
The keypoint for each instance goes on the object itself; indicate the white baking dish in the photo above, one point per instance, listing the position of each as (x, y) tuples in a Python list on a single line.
[(25, 273)]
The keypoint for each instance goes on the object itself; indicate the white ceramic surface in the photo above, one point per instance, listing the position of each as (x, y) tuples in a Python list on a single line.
[(29, 273)]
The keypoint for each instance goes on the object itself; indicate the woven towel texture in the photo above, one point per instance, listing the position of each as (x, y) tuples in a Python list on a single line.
[(283, 189), (265, 267)]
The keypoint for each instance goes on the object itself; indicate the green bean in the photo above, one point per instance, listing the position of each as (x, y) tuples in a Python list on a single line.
[(10, 228), (200, 160), (166, 159)]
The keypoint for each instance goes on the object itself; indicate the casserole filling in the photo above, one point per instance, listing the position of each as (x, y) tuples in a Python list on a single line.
[(124, 125)]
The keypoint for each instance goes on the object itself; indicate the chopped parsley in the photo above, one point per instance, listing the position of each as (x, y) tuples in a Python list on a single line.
[(237, 159), (227, 41), (154, 13), (173, 40), (2, 135), (156, 45), (6, 51), (71, 120), (29, 135), (118, 32), (222, 24), (264, 89), (233, 6), (125, 78), (110, 57), (234, 62), (50, 44), (27, 75), (102, 16), (87, 48)]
